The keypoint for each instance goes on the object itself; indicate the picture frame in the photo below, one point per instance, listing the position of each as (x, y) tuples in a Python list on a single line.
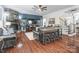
[(52, 21)]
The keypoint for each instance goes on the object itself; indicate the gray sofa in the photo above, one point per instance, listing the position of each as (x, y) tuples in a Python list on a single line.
[(8, 40)]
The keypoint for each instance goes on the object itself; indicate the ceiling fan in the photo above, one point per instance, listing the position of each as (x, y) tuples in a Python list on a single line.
[(73, 10), (40, 7)]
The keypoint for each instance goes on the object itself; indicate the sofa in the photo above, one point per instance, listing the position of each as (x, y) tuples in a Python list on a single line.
[(9, 38)]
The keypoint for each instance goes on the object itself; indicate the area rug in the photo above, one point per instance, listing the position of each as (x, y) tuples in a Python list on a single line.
[(29, 35)]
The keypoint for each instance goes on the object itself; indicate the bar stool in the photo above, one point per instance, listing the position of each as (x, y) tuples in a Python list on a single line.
[(60, 33), (52, 35), (1, 46), (55, 35), (46, 38)]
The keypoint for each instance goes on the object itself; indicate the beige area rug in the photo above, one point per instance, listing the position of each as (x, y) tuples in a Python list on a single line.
[(29, 35)]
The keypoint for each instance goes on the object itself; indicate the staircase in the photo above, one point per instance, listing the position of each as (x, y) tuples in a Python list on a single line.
[(65, 28)]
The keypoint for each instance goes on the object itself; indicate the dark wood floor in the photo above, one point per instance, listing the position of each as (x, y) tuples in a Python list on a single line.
[(34, 46)]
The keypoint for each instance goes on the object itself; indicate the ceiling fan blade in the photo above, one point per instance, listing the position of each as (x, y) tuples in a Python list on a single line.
[(35, 6), (44, 7), (40, 6)]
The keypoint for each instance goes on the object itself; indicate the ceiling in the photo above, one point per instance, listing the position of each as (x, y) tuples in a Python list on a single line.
[(28, 9)]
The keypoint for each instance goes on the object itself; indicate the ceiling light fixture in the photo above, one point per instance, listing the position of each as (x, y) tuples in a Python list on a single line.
[(40, 8)]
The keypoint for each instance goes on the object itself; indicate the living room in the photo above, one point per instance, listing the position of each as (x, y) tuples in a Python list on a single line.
[(39, 28)]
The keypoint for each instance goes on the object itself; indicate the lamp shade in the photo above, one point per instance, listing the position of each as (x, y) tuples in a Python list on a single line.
[(30, 22)]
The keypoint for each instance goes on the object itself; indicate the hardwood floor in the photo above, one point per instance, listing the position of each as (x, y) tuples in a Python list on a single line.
[(34, 46)]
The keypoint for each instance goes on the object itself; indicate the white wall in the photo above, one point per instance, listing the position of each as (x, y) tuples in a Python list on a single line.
[(56, 15), (1, 16)]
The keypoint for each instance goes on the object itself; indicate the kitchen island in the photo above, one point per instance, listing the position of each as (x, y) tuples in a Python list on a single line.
[(49, 34)]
